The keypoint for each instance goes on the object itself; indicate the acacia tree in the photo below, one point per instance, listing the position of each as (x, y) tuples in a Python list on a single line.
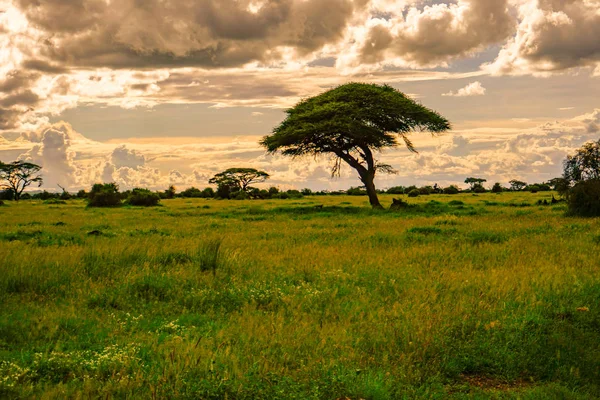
[(474, 182), (517, 186), (350, 123), (239, 178), (18, 175)]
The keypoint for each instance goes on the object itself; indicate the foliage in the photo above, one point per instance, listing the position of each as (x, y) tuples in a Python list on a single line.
[(584, 165), (143, 197), (395, 190), (583, 199), (497, 188), (474, 182), (170, 193), (234, 180), (516, 185), (18, 175), (581, 176), (356, 191), (452, 189), (414, 193), (350, 123), (104, 195), (478, 188)]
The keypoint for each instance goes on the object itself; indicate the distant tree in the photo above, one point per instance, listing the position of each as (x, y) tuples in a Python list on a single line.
[(18, 175), (517, 186), (234, 180), (170, 192), (452, 189), (395, 190), (497, 188), (581, 173), (143, 197), (306, 192), (350, 123), (473, 182), (104, 195)]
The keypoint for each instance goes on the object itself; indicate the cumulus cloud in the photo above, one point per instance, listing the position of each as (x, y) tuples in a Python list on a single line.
[(553, 36), (74, 162), (472, 89), (429, 36)]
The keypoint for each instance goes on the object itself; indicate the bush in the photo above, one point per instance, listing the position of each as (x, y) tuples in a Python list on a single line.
[(294, 194), (104, 195), (306, 192), (452, 189), (479, 189), (497, 188), (143, 197), (356, 191), (583, 199), (395, 190), (425, 190), (241, 196), (414, 193)]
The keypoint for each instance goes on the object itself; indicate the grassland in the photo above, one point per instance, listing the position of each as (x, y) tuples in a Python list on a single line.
[(465, 297)]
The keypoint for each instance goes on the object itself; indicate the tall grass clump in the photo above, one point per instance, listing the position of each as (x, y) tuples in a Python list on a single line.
[(208, 255)]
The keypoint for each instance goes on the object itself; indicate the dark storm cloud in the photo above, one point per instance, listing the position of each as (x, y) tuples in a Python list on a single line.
[(208, 33)]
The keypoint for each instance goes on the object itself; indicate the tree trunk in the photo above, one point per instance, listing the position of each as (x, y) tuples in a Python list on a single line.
[(370, 186)]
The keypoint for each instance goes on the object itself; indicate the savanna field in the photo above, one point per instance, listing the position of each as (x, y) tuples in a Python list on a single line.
[(461, 297)]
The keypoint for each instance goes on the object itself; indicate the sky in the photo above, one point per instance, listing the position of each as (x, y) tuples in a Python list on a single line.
[(152, 93)]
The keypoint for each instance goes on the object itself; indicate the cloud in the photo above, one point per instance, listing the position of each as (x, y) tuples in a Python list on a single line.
[(429, 36), (71, 160), (124, 157), (552, 37), (472, 89)]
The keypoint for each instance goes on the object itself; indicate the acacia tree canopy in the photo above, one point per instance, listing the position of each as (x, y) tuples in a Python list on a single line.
[(350, 123), (472, 182), (18, 175), (240, 178)]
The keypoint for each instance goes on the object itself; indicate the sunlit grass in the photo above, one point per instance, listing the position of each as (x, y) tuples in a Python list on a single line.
[(464, 296)]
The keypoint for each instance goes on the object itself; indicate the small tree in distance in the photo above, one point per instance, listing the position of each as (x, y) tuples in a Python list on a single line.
[(235, 180), (475, 182), (104, 195), (517, 186), (351, 123), (18, 175)]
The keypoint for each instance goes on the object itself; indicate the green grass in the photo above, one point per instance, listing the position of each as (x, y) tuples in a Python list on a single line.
[(456, 296)]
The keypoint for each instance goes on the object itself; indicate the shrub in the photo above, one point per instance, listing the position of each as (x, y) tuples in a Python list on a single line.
[(452, 189), (396, 190), (191, 192), (143, 197), (306, 192), (479, 189), (497, 188), (425, 190), (414, 193), (356, 191), (104, 195), (241, 196), (583, 199), (294, 194), (1, 202)]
